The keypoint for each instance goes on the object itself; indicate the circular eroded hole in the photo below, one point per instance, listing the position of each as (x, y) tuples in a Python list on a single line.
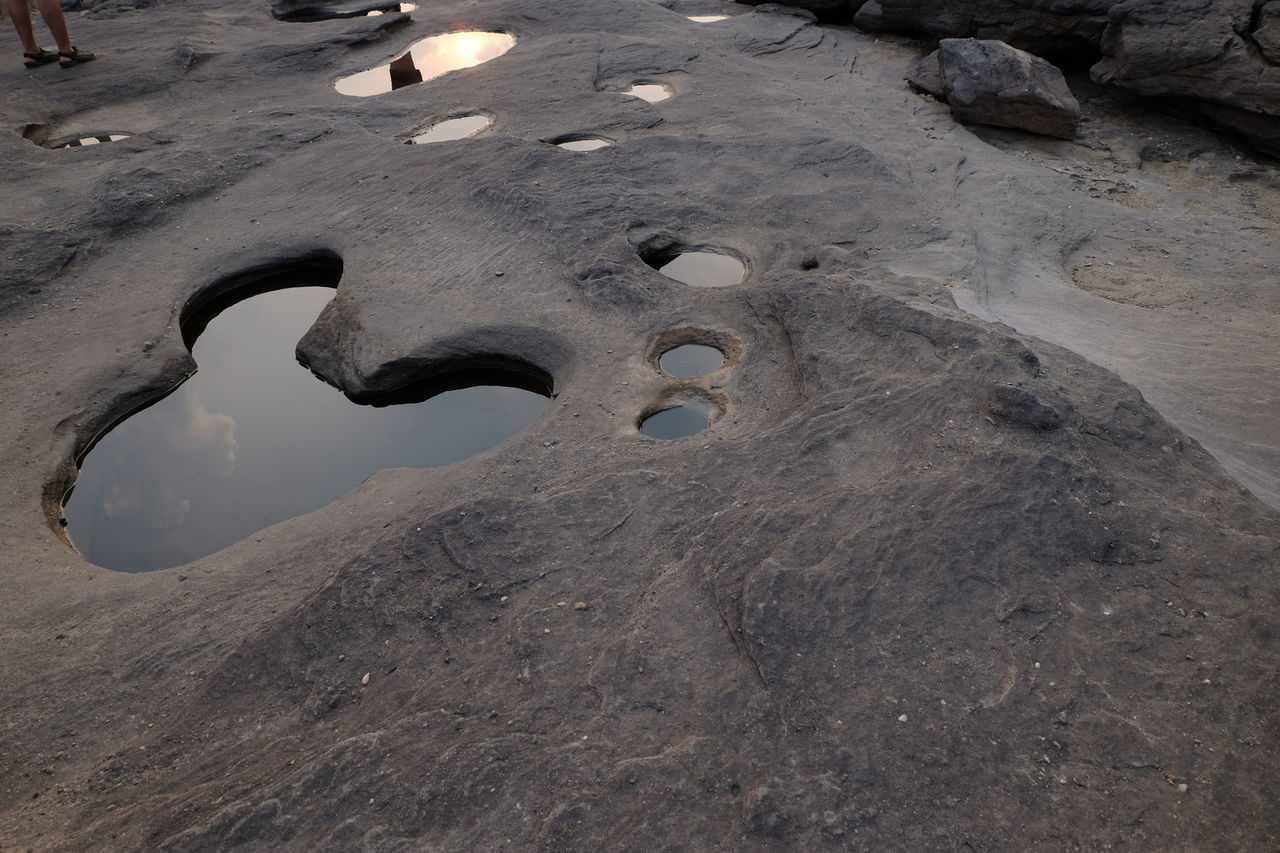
[(649, 91), (448, 130), (688, 417), (689, 360), (427, 59), (84, 141), (582, 143), (699, 267)]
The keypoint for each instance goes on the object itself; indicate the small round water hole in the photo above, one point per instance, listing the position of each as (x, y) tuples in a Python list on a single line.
[(702, 267), (583, 143), (651, 92), (689, 360), (83, 141), (687, 418), (451, 129), (426, 60)]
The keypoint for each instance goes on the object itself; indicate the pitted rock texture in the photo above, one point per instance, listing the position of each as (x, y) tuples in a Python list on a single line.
[(990, 82), (940, 576)]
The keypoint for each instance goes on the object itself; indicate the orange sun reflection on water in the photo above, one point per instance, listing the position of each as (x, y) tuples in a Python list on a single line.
[(427, 59)]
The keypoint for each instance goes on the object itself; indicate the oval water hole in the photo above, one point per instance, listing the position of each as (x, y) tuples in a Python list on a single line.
[(450, 129), (708, 19), (101, 139), (689, 360), (398, 7), (651, 92), (583, 143), (688, 418), (253, 439), (700, 267), (427, 59)]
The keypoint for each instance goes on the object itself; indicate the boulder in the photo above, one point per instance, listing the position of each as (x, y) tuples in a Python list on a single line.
[(989, 82)]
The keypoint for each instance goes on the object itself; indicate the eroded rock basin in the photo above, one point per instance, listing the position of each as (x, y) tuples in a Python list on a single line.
[(253, 439), (699, 267), (427, 59), (83, 141), (451, 129), (689, 360)]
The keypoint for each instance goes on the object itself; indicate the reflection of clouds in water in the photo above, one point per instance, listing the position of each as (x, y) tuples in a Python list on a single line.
[(122, 500), (183, 442), (211, 428)]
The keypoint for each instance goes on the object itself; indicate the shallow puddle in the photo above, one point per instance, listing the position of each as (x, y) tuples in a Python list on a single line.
[(690, 360), (651, 92), (399, 7), (708, 19), (91, 140), (584, 143), (450, 129), (700, 268), (312, 14), (253, 438), (427, 59), (678, 421)]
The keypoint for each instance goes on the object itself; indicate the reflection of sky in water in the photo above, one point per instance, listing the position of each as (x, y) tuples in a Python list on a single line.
[(253, 438), (690, 360), (399, 7), (590, 143), (92, 140), (708, 19), (678, 421), (454, 128), (426, 60), (704, 269), (651, 92)]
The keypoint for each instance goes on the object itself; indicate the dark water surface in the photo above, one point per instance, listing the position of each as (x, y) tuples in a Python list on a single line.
[(678, 421), (253, 438), (690, 360), (427, 59)]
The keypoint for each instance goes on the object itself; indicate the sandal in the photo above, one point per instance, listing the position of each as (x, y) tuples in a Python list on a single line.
[(40, 57), (75, 56)]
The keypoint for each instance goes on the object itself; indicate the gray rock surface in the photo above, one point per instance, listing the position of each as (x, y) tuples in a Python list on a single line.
[(1217, 58), (939, 577), (990, 82)]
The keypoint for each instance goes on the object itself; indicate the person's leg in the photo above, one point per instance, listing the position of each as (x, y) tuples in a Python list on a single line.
[(21, 17), (55, 21)]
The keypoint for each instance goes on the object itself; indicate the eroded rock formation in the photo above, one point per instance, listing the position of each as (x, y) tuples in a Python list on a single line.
[(939, 576)]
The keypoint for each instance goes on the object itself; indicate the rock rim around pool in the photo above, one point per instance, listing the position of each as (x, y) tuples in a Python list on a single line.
[(989, 82)]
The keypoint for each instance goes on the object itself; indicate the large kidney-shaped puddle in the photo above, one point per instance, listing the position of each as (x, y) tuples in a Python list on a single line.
[(427, 59), (253, 438)]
